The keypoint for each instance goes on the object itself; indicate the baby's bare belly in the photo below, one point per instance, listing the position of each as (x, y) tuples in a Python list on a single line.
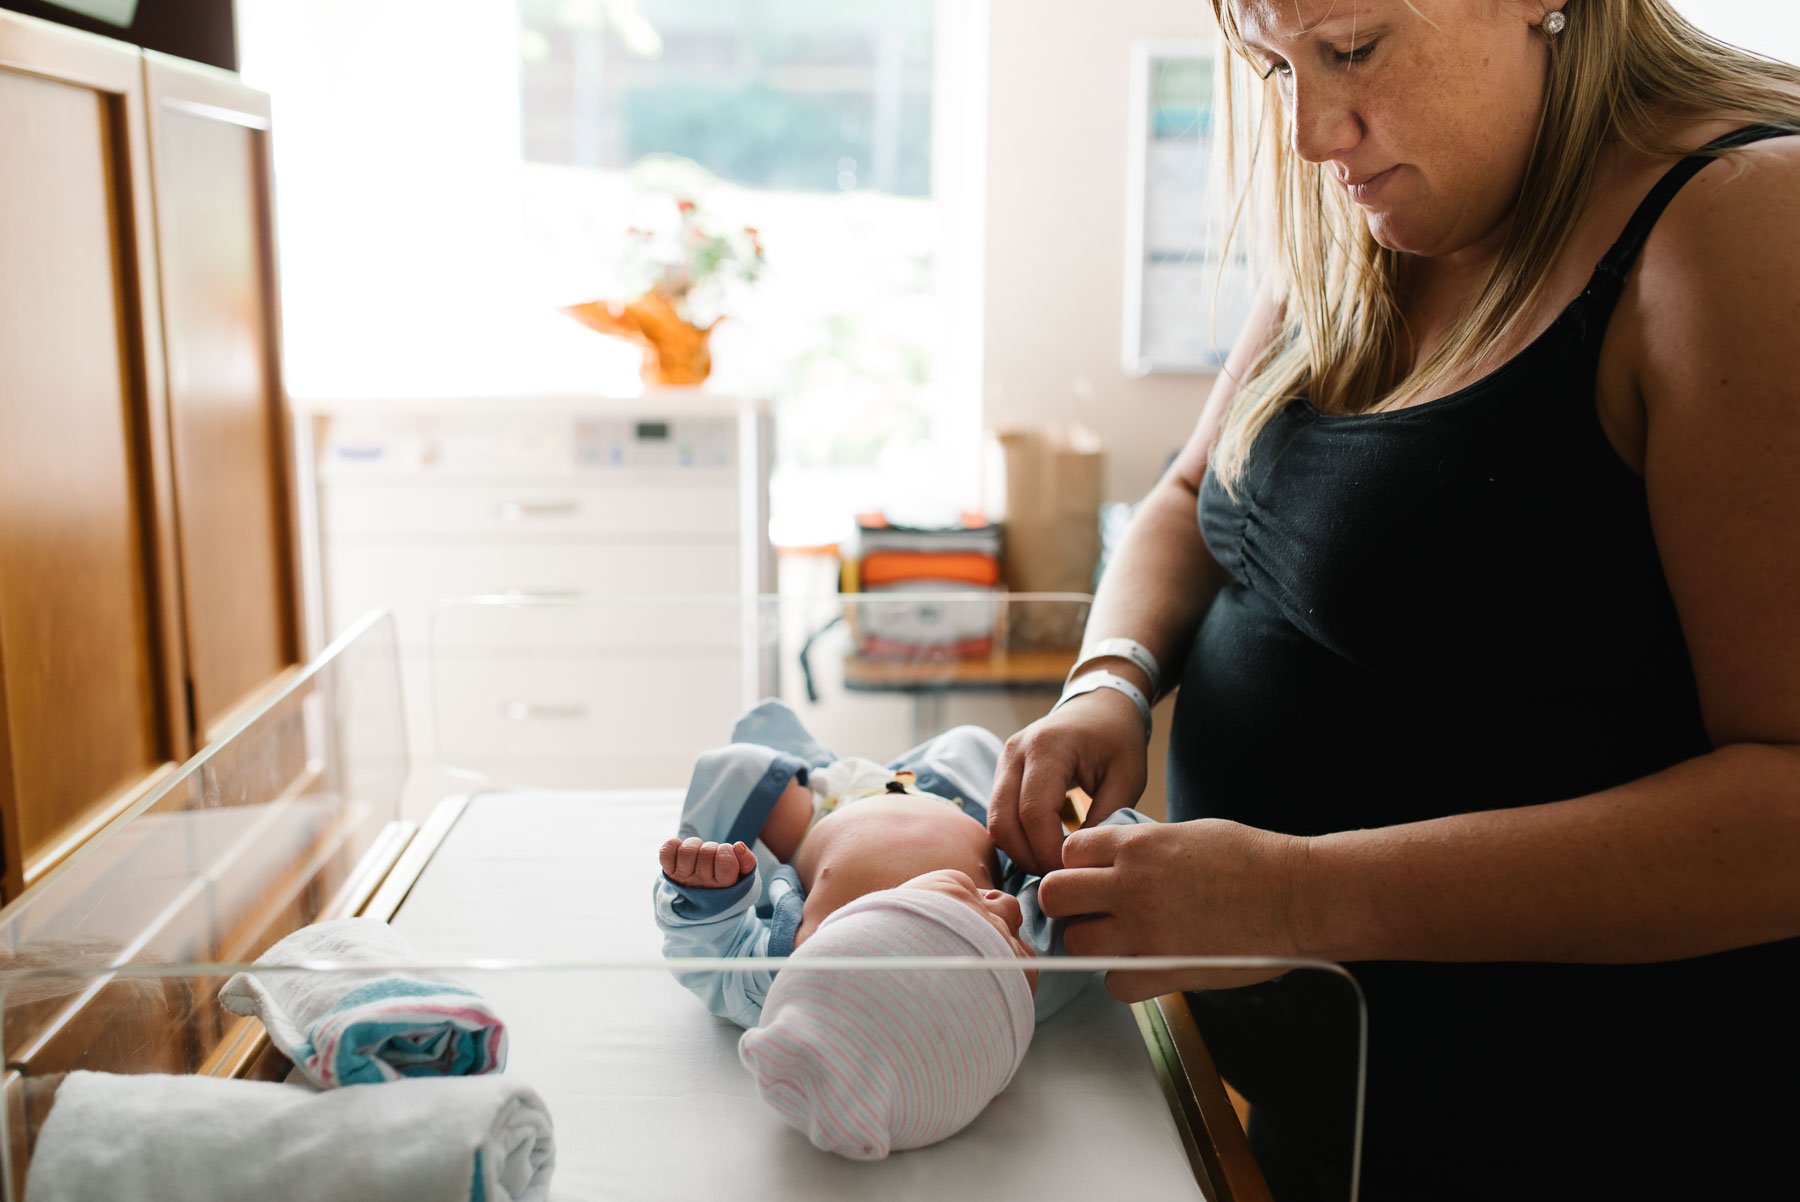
[(881, 842)]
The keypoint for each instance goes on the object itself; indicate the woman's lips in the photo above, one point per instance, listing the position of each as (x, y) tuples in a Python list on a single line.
[(1365, 191)]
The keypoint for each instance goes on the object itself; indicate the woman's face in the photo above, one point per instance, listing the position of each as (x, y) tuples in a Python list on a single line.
[(1425, 110)]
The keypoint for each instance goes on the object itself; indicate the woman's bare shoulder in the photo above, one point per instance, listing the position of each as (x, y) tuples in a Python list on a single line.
[(1726, 240), (1714, 295)]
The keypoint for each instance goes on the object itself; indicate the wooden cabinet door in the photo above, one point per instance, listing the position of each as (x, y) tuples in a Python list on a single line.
[(91, 690), (210, 164)]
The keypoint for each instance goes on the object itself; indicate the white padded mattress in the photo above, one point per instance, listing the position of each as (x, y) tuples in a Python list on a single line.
[(644, 1085)]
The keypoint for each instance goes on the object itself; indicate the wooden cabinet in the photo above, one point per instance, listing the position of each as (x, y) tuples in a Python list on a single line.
[(209, 164), (144, 579)]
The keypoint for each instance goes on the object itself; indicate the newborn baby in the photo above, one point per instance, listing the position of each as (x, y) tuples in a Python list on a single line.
[(897, 836), (786, 850)]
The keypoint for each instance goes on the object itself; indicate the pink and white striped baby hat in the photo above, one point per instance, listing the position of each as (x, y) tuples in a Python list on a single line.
[(872, 1061)]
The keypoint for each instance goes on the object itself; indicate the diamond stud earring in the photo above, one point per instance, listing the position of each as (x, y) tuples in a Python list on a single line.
[(1554, 23)]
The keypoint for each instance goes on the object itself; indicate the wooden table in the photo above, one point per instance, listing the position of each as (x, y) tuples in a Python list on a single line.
[(930, 680)]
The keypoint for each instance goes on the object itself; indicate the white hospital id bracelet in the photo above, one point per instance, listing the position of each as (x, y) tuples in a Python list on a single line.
[(1128, 649), (1106, 680)]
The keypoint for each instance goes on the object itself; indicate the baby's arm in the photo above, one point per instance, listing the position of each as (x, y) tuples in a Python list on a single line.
[(702, 864)]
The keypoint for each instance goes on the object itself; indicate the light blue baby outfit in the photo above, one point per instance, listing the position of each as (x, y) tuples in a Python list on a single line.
[(729, 798)]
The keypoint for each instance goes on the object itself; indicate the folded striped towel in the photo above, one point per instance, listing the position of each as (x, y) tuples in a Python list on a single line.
[(347, 1027), (150, 1138)]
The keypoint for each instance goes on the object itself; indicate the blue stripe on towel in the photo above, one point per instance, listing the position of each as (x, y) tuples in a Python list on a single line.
[(403, 1027)]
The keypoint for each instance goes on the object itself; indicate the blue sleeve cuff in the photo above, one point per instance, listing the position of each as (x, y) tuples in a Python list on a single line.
[(763, 796), (784, 919), (697, 903)]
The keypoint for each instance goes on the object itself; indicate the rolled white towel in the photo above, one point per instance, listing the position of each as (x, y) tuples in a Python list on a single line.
[(358, 1028), (150, 1137)]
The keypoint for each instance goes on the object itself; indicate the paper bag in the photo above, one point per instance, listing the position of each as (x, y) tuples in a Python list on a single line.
[(1052, 527)]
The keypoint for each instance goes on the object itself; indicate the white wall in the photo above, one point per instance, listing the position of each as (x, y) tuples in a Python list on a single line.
[(1059, 84), (1770, 27)]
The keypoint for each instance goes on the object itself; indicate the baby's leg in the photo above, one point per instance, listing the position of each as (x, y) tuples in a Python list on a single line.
[(788, 822)]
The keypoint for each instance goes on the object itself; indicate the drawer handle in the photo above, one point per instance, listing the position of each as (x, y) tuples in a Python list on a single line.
[(518, 511), (524, 711), (541, 594)]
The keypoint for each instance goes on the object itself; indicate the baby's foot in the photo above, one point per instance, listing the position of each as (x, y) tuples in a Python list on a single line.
[(702, 864)]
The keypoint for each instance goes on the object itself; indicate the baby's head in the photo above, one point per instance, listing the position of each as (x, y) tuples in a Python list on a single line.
[(871, 1061)]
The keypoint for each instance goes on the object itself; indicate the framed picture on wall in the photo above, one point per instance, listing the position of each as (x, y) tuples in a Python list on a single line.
[(1184, 301)]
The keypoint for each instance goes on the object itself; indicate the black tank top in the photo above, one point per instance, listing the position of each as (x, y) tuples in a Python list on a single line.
[(1453, 607)]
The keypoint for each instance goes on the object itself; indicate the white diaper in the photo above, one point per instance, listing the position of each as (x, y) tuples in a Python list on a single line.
[(846, 781)]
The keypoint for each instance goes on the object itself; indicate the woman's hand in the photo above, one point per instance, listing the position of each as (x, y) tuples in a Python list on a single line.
[(1096, 742), (1205, 888)]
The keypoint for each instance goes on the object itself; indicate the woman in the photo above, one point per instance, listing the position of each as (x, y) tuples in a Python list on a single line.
[(1486, 631)]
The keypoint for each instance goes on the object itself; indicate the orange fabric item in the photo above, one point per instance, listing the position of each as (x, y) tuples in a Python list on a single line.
[(893, 567)]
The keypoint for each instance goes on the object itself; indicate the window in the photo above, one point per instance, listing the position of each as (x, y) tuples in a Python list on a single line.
[(450, 172), (811, 121)]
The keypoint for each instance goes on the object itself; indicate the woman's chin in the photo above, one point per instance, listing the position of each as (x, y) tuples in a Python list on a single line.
[(1395, 234)]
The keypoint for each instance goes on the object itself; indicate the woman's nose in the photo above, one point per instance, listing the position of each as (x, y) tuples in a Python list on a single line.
[(1324, 124)]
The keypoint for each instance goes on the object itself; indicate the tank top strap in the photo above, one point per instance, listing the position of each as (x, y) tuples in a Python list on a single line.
[(1616, 264)]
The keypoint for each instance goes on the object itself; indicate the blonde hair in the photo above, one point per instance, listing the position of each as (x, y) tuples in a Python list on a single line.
[(1615, 72)]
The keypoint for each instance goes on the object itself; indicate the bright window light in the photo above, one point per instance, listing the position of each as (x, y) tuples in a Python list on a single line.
[(449, 172)]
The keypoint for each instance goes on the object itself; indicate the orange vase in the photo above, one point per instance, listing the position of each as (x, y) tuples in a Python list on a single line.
[(676, 352)]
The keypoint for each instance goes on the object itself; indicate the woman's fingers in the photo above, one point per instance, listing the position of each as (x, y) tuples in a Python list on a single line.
[(1074, 892), (1003, 807), (1089, 741), (1095, 847), (1122, 786), (1046, 782), (1100, 935), (1137, 986)]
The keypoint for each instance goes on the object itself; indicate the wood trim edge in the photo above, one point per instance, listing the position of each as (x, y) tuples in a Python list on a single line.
[(1219, 1137), (387, 900), (1179, 1094), (77, 834)]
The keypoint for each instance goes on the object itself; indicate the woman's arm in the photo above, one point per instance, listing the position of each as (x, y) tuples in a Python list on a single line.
[(1155, 590), (1162, 577), (1701, 857)]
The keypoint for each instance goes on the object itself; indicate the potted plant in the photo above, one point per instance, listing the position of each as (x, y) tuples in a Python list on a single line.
[(686, 270)]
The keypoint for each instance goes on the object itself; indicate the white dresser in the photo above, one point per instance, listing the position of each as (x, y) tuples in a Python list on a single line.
[(414, 502)]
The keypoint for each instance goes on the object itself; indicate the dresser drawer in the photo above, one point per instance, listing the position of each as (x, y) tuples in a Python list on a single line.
[(540, 507), (410, 579), (534, 720)]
